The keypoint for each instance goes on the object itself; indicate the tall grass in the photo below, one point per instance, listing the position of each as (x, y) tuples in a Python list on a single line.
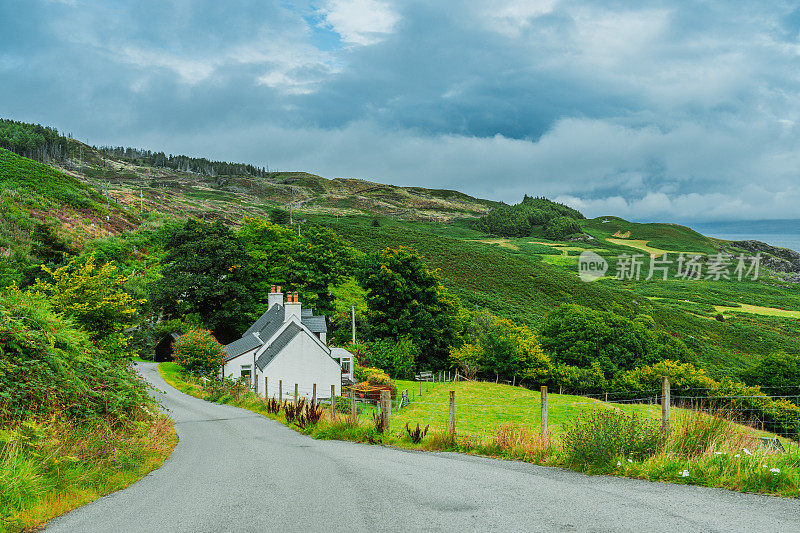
[(48, 468)]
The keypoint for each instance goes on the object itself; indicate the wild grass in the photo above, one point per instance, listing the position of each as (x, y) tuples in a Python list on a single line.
[(49, 468), (702, 448)]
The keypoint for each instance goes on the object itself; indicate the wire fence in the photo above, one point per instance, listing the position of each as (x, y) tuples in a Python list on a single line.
[(426, 404)]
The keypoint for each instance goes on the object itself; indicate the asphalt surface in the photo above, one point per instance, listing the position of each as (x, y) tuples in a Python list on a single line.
[(234, 470)]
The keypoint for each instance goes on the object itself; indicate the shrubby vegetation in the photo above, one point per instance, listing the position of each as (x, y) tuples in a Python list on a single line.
[(557, 221), (199, 353), (578, 336)]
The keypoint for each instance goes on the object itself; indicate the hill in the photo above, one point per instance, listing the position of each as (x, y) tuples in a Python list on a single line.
[(728, 324)]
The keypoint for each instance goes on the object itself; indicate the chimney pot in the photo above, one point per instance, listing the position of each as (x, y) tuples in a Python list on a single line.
[(296, 298)]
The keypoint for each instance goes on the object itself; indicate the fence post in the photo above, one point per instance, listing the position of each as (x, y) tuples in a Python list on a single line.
[(266, 390), (295, 393), (280, 390), (386, 409), (353, 410), (255, 382), (333, 402), (314, 395), (665, 406), (452, 413), (543, 399)]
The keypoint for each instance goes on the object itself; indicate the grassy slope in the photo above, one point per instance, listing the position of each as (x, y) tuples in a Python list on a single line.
[(519, 284), (31, 191), (48, 470), (231, 197), (518, 279)]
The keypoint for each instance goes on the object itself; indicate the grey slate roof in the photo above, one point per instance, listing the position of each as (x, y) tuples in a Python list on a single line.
[(278, 344), (238, 347), (307, 312), (273, 322), (276, 311), (316, 323)]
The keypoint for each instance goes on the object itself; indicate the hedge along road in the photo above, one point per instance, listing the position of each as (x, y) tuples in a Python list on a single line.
[(234, 470)]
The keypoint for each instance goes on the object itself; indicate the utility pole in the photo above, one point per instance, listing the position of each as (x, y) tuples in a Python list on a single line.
[(353, 321)]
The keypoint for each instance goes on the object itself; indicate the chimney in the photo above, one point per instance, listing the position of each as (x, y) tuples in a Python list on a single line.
[(275, 296), (292, 307)]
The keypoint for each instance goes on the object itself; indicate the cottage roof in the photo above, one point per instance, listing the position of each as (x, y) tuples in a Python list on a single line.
[(286, 336), (240, 346), (315, 323), (274, 312)]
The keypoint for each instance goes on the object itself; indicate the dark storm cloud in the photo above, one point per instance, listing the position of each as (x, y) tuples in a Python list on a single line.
[(654, 110)]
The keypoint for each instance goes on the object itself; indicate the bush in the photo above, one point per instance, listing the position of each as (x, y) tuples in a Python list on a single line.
[(199, 352), (49, 366), (395, 357), (597, 438), (776, 370)]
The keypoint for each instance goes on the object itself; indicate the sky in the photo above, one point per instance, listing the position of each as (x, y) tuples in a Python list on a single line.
[(662, 111)]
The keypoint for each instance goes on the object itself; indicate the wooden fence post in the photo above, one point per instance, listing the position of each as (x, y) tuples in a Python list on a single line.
[(665, 406), (266, 390), (452, 413), (386, 409), (314, 395), (543, 399), (353, 409), (280, 390), (295, 393), (255, 382), (333, 402)]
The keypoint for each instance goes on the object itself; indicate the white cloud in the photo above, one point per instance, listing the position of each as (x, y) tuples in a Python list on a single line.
[(362, 22), (512, 17)]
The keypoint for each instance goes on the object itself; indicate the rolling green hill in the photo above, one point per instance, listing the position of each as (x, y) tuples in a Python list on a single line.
[(728, 324)]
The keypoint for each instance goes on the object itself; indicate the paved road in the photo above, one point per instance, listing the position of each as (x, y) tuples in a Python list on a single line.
[(236, 471)]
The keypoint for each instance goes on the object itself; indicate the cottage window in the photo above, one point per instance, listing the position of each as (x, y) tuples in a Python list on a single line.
[(246, 372), (346, 366)]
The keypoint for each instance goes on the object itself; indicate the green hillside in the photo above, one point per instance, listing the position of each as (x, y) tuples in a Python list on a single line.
[(518, 283), (518, 277), (33, 184)]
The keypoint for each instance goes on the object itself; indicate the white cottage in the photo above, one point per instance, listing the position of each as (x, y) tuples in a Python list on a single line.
[(288, 345)]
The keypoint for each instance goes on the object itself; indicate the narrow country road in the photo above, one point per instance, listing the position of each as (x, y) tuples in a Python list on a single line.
[(234, 470)]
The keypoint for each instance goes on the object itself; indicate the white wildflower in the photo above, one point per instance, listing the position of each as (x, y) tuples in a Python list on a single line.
[(619, 464), (685, 473), (737, 455), (719, 453), (630, 461), (775, 470), (746, 451)]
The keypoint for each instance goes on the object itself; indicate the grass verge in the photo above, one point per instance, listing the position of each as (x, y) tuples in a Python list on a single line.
[(702, 449), (49, 468)]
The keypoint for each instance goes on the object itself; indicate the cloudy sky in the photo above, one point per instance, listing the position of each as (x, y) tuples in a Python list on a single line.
[(669, 110)]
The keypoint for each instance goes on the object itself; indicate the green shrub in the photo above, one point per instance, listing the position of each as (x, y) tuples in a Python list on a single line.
[(49, 366), (597, 438), (395, 357), (199, 352)]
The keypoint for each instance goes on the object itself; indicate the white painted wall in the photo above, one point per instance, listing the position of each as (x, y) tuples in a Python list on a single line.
[(305, 362), (233, 368)]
